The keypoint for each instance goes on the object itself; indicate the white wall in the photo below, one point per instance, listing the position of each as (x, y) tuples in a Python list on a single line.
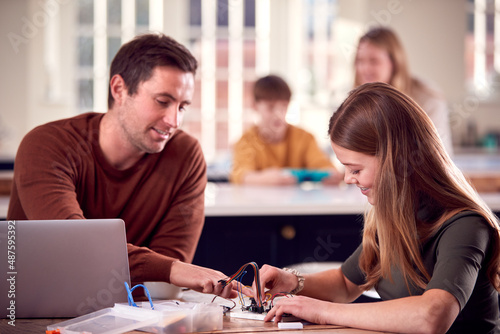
[(32, 90), (432, 33), (14, 78)]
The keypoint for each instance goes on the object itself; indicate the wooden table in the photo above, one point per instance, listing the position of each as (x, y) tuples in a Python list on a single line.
[(483, 170), (231, 325)]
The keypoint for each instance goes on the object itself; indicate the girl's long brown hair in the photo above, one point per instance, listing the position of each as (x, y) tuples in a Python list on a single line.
[(378, 120)]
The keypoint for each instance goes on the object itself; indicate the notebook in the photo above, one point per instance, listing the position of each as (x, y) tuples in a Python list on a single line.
[(61, 268)]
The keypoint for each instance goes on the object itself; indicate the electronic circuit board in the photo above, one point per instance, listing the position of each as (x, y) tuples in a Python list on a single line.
[(252, 311), (244, 314)]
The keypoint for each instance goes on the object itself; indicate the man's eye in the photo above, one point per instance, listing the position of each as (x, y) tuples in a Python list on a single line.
[(163, 103), (355, 172)]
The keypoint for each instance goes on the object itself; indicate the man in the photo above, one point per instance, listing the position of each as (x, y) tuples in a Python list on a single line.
[(131, 162)]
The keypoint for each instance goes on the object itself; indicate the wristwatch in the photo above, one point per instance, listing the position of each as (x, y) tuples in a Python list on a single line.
[(300, 279)]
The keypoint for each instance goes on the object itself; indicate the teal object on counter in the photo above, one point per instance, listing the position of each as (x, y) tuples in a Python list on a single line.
[(312, 175)]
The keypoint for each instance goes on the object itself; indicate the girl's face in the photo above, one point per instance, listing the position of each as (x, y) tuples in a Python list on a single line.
[(360, 170), (373, 64)]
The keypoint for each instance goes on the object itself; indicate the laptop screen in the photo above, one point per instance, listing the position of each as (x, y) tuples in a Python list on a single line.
[(61, 268)]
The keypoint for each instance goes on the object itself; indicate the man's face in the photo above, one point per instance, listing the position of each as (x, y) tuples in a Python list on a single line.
[(150, 117), (271, 118)]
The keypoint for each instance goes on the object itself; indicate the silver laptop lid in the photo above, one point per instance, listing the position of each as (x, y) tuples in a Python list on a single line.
[(61, 268)]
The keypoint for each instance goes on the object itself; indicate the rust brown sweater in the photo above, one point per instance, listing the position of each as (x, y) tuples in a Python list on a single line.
[(60, 173)]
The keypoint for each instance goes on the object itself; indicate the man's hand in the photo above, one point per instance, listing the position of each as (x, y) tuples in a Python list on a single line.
[(201, 279)]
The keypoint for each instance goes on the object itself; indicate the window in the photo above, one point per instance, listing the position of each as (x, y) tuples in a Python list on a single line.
[(482, 45), (103, 26), (235, 41)]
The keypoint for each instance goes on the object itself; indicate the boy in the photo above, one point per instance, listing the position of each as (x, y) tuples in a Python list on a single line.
[(272, 145)]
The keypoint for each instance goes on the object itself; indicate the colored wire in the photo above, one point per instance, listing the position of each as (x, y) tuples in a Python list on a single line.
[(240, 288), (257, 279), (267, 298), (131, 301), (232, 301)]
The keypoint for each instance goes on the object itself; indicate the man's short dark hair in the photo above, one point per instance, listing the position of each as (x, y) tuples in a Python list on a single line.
[(136, 60), (271, 88)]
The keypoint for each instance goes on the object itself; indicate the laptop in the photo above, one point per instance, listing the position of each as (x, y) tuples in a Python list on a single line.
[(61, 268)]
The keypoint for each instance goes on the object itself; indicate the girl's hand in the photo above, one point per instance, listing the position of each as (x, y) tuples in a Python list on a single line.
[(309, 309), (276, 280)]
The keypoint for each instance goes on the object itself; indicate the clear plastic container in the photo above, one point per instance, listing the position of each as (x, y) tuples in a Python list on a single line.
[(111, 320), (184, 317), (168, 317)]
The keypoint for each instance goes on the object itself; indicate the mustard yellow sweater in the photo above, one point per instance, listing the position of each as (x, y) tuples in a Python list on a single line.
[(298, 150)]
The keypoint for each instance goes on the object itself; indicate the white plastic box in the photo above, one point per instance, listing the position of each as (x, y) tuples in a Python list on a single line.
[(168, 317), (111, 320), (183, 317)]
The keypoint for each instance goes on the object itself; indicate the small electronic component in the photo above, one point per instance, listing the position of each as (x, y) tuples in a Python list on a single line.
[(290, 325), (253, 307), (257, 309)]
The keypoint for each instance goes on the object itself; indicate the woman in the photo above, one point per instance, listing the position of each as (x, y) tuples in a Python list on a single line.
[(381, 57), (430, 245)]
